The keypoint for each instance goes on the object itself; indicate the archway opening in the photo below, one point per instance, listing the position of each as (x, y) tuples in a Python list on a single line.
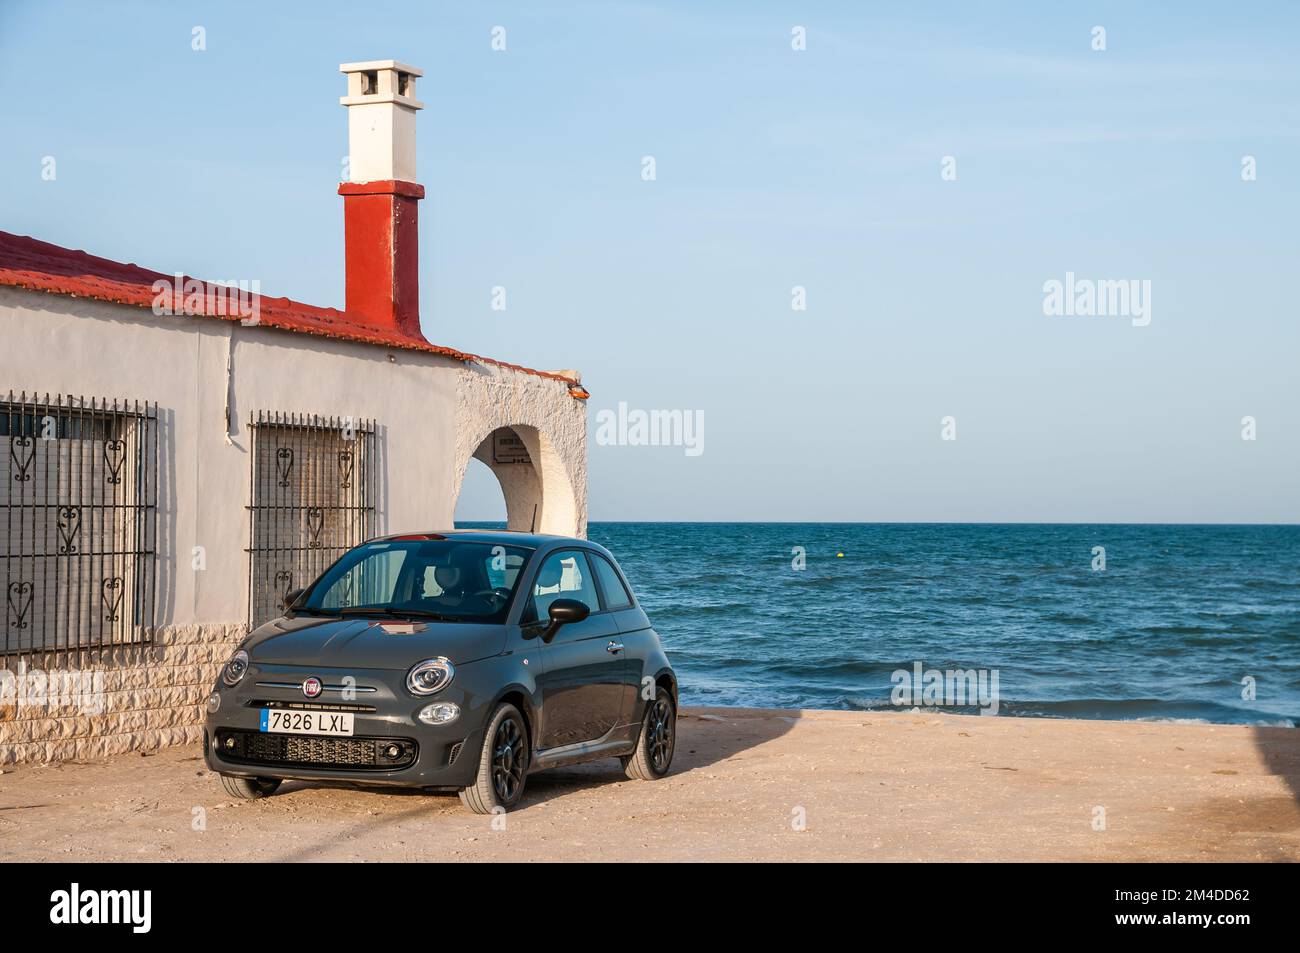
[(508, 453), (481, 502), (533, 478)]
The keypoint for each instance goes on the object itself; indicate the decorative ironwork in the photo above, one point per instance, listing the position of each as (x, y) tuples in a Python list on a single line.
[(312, 487), (69, 524), (112, 597), (24, 462), (114, 455), (284, 464), (20, 601), (315, 523), (80, 536)]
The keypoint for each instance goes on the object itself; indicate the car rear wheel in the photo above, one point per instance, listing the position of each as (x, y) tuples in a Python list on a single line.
[(654, 748), (249, 789), (502, 765)]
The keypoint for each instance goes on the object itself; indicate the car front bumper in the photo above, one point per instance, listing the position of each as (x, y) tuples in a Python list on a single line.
[(384, 718)]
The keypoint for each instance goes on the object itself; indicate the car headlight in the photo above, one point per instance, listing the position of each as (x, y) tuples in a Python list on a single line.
[(431, 675), (236, 668)]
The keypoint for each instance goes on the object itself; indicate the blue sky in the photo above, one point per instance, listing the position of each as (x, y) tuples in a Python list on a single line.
[(775, 168)]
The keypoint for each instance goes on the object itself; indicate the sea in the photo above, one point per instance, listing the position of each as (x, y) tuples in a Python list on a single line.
[(1123, 622)]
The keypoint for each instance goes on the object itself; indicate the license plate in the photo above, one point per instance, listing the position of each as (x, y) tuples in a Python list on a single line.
[(282, 721)]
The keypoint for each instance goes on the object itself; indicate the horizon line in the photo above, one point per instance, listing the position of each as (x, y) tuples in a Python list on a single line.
[(914, 522)]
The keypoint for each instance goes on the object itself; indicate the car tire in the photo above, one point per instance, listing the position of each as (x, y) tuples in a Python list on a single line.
[(502, 764), (249, 789), (654, 746)]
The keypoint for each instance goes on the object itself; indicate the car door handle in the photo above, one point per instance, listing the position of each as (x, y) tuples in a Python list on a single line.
[(614, 647)]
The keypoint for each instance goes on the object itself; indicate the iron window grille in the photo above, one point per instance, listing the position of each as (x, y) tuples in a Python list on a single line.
[(312, 487), (80, 523)]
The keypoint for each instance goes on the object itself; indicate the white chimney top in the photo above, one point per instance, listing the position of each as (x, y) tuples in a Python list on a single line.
[(381, 120)]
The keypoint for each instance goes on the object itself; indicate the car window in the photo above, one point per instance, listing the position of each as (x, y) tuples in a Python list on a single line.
[(456, 579), (564, 575), (502, 569), (369, 581), (616, 596)]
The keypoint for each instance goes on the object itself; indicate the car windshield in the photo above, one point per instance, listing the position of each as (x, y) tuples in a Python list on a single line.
[(442, 579)]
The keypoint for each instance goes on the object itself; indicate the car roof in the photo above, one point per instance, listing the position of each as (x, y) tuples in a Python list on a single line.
[(492, 536)]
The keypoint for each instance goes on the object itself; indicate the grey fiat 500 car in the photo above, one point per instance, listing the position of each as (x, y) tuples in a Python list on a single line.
[(461, 661)]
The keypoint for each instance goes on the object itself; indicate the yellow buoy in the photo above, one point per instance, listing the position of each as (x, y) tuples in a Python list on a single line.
[(839, 555)]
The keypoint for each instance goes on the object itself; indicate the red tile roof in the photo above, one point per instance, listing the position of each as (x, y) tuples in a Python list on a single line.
[(39, 266)]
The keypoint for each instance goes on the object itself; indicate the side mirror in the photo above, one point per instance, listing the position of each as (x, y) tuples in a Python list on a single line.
[(292, 596), (563, 612)]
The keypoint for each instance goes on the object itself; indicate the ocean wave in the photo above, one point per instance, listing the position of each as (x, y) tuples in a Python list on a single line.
[(1258, 723), (1080, 709)]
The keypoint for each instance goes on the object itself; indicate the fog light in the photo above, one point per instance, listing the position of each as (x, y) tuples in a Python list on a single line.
[(392, 751), (230, 742), (439, 713), (214, 702)]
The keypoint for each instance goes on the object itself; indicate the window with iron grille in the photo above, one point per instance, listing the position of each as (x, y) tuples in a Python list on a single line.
[(80, 523), (312, 491)]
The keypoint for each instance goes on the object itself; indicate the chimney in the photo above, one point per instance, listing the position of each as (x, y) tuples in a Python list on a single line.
[(380, 216)]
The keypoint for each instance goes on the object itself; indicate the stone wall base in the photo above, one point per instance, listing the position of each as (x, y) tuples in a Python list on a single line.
[(130, 698)]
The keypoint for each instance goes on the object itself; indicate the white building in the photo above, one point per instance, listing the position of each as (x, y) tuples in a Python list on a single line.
[(180, 453)]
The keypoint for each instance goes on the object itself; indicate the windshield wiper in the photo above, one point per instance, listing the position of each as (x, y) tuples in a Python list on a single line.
[(395, 611)]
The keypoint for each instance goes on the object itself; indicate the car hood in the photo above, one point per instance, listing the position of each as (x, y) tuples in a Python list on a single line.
[(382, 643)]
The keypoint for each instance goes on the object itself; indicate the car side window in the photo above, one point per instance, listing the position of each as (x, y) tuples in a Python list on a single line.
[(564, 575), (611, 586)]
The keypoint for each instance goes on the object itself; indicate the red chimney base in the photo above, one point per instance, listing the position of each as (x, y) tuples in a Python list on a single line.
[(381, 235)]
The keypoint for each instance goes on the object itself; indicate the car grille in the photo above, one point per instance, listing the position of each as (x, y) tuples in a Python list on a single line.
[(254, 747), (307, 706)]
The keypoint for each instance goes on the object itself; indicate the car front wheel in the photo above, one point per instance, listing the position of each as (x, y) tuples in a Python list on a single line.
[(654, 749), (249, 789), (502, 765)]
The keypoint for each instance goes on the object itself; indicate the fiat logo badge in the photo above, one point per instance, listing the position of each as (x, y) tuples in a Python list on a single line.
[(311, 687)]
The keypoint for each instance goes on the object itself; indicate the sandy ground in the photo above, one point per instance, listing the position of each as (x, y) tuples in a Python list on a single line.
[(866, 786)]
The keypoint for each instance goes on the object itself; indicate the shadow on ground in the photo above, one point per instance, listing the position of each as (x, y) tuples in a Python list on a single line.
[(704, 737), (1280, 750)]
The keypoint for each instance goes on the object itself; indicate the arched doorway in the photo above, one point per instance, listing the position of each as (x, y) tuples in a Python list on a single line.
[(533, 477)]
